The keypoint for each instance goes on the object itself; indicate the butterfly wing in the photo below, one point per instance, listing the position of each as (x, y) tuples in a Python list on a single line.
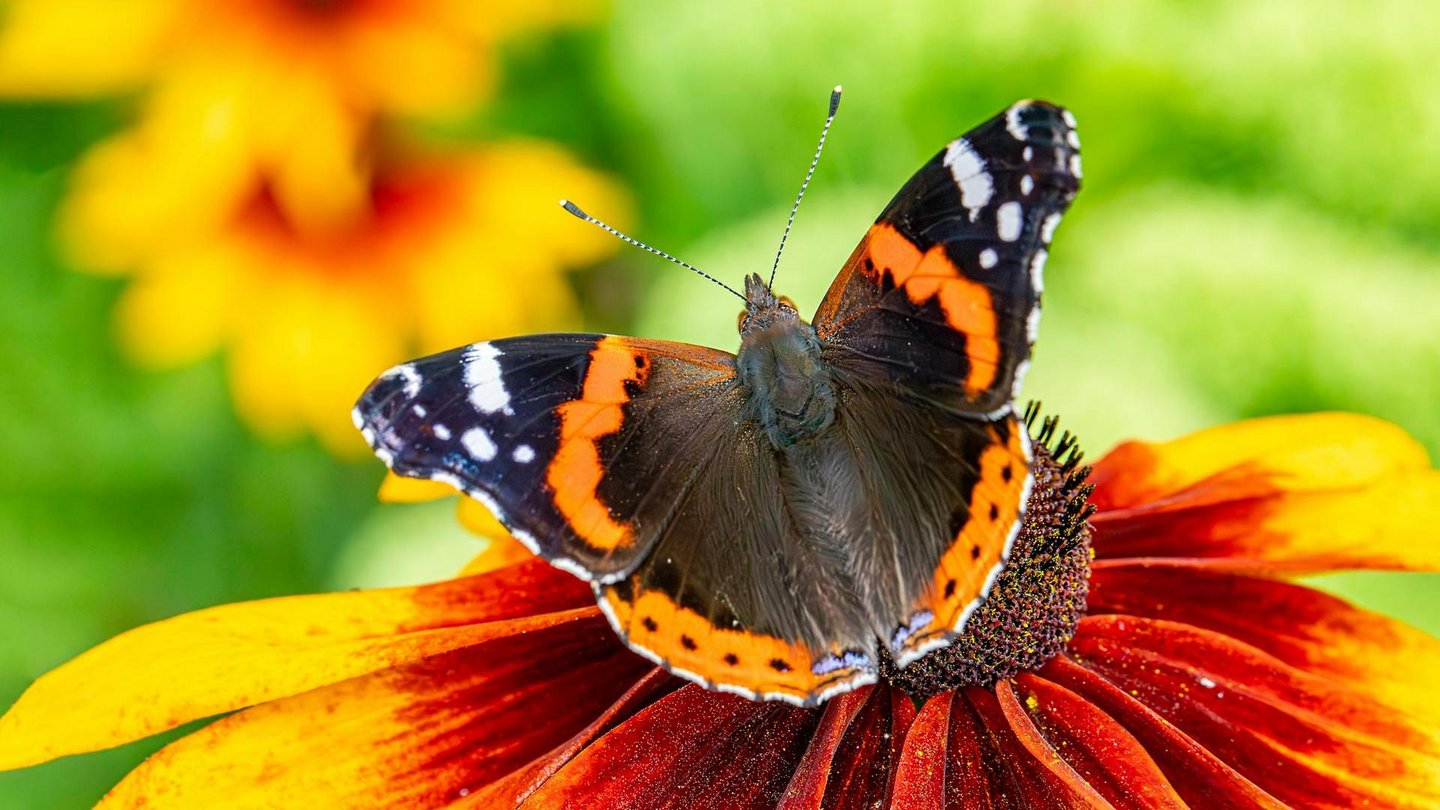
[(942, 296), (626, 463), (940, 302), (541, 430)]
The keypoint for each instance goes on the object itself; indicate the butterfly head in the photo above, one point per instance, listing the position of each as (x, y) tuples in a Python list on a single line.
[(764, 308), (779, 364)]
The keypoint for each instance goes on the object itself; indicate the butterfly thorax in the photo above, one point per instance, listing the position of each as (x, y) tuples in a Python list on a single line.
[(787, 385)]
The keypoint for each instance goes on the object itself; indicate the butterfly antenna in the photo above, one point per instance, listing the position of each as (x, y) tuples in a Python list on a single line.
[(829, 118), (575, 209)]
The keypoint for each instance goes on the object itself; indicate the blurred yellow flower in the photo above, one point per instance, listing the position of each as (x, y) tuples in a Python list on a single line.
[(451, 249), (284, 90)]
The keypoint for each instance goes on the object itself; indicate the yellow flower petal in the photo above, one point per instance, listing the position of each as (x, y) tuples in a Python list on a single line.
[(502, 551), (184, 309), (403, 489), (1285, 494), (144, 194), (300, 361), (1309, 452), (162, 675), (422, 735), (478, 518), (81, 47), (418, 68)]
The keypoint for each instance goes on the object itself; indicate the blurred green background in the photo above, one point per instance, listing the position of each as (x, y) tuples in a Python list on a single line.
[(1257, 234)]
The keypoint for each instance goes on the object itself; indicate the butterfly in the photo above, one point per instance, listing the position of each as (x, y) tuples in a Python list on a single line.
[(772, 522)]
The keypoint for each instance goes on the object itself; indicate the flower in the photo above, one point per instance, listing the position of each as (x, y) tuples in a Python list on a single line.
[(1195, 676), (263, 205), (454, 248), (286, 89)]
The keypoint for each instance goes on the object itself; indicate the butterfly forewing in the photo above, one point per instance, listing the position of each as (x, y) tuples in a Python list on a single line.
[(532, 427), (942, 295)]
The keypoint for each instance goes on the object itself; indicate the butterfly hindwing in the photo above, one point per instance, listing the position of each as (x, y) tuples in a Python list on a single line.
[(942, 295)]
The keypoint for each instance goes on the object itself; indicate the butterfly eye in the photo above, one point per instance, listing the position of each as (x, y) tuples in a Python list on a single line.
[(740, 319), (789, 303)]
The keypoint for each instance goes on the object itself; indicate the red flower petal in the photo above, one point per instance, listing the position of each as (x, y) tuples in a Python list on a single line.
[(1304, 739), (962, 753), (513, 789), (422, 735), (1097, 748), (692, 749), (1200, 778), (1301, 626), (851, 759)]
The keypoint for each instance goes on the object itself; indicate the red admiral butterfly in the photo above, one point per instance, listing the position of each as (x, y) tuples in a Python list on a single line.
[(763, 522)]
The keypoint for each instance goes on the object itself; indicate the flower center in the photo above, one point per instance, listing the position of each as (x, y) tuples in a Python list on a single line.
[(1037, 601)]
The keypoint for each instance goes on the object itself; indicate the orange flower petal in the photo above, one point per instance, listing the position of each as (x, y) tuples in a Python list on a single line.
[(1200, 778), (421, 735), (1388, 523), (200, 664), (1255, 457), (691, 749), (1099, 750), (1305, 739), (961, 748), (851, 759)]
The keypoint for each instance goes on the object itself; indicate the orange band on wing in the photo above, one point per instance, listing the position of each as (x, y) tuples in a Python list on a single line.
[(576, 470), (687, 642), (967, 304), (995, 508)]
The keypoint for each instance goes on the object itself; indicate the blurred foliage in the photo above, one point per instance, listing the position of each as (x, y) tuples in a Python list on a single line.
[(1256, 235)]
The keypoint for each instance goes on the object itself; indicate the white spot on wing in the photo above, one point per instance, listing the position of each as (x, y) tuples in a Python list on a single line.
[(419, 410), (1032, 325), (1027, 154), (1075, 166), (1047, 228), (410, 376), (989, 258), (441, 432), (1021, 369), (1014, 125), (1008, 221), (1068, 118), (484, 379), (524, 454), (1073, 138), (1037, 270), (968, 169), (478, 444), (1027, 184)]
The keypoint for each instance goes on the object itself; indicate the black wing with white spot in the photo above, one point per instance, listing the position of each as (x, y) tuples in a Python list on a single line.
[(942, 297), (559, 435)]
